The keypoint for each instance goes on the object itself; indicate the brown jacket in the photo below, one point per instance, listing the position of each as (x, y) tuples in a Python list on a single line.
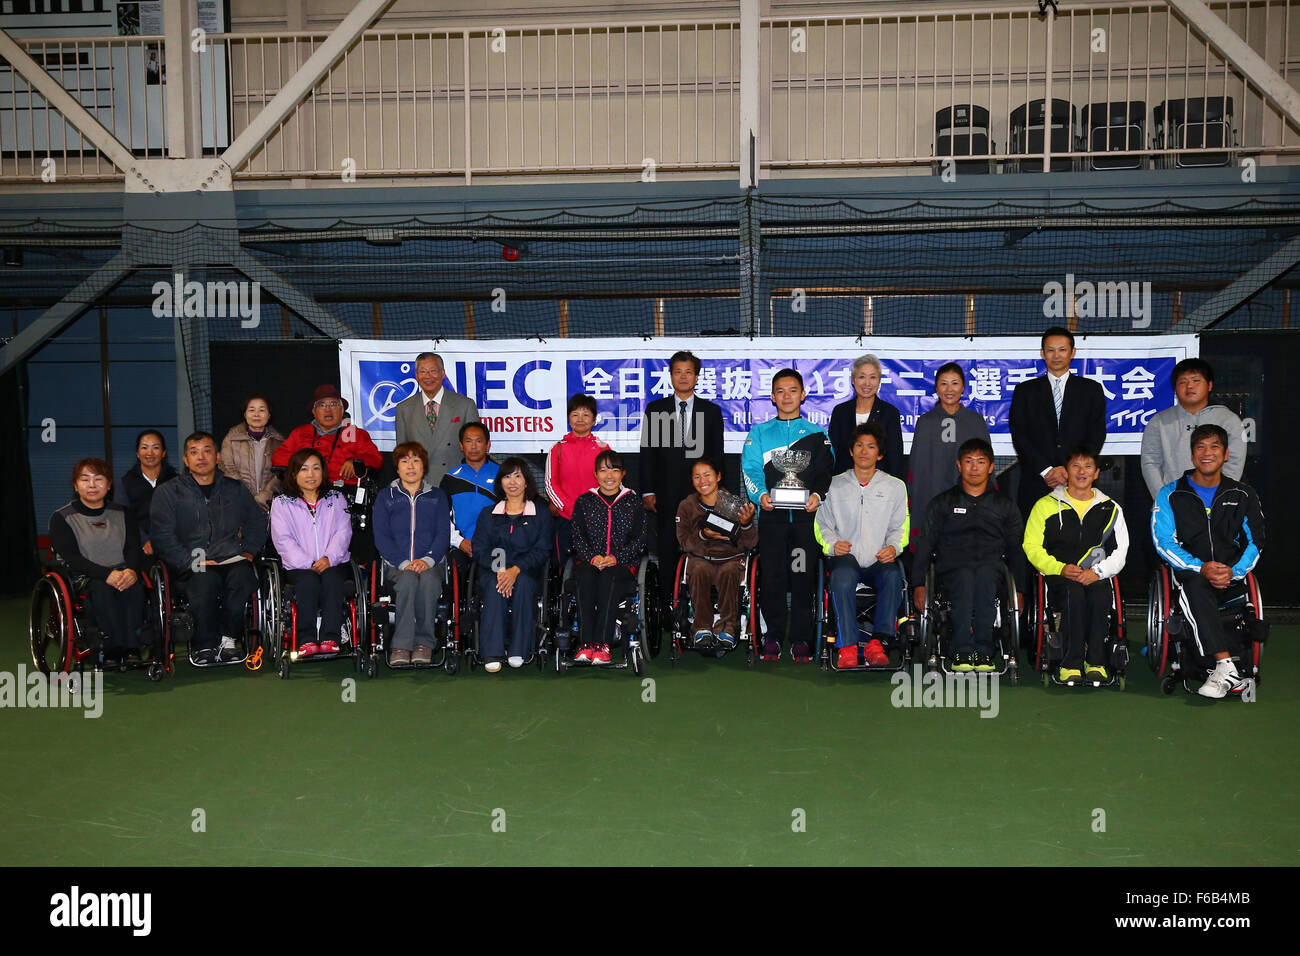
[(239, 457), (690, 523)]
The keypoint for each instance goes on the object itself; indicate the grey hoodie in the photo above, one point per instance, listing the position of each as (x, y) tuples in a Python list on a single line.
[(1167, 444), (869, 518)]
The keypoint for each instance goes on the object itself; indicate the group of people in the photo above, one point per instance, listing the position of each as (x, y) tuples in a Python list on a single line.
[(451, 502)]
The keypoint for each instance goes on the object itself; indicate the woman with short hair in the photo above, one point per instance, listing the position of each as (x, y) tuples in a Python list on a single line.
[(866, 405), (247, 449)]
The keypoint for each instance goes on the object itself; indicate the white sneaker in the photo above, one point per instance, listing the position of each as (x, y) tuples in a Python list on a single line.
[(515, 661), (227, 650), (227, 643), (1221, 682), (492, 666)]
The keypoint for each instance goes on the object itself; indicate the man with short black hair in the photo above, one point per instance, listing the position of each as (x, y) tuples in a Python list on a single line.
[(470, 487), (1210, 530), (1166, 455), (675, 432), (208, 528), (972, 529), (1052, 414)]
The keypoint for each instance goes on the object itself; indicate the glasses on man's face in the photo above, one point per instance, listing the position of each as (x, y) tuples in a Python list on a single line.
[(329, 404)]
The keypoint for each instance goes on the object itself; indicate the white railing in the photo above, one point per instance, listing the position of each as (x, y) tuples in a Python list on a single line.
[(848, 91)]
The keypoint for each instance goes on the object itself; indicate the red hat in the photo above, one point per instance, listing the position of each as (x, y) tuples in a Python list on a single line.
[(326, 391)]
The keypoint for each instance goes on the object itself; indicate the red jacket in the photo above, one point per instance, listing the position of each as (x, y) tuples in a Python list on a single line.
[(571, 470), (345, 443)]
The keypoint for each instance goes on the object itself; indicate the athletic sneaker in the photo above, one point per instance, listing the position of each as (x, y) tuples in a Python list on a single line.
[(771, 651), (875, 653), (492, 667), (1095, 672), (399, 657), (801, 652), (307, 650), (585, 654), (228, 651), (601, 654), (515, 661), (1067, 674), (703, 639), (984, 662), (726, 640), (848, 657), (329, 647), (206, 655), (423, 654), (1221, 681), (962, 661)]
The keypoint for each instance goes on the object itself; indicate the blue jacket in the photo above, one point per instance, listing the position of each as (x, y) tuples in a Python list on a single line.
[(469, 492), (1230, 531), (774, 435), (525, 540), (412, 528)]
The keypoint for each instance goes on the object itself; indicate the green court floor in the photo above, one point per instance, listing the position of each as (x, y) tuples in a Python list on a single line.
[(722, 767)]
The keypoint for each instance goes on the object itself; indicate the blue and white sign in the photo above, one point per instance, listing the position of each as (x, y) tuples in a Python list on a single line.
[(521, 386)]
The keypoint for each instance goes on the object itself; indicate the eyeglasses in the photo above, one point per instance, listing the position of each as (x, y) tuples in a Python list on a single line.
[(329, 404)]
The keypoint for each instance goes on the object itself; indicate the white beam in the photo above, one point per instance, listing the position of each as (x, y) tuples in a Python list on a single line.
[(69, 106), (749, 92), (182, 89), (1240, 54), (303, 81)]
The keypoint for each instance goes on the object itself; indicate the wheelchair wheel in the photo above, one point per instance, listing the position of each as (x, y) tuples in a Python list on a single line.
[(50, 628), (1038, 615), (360, 607), (270, 594), (1158, 611), (1010, 625), (155, 671), (751, 622), (648, 608)]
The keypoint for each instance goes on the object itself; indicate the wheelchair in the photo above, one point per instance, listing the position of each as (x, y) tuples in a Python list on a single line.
[(544, 615), (62, 632), (456, 604), (1170, 651), (279, 613), (639, 620), (1048, 641), (679, 613), (936, 625), (175, 621), (900, 648)]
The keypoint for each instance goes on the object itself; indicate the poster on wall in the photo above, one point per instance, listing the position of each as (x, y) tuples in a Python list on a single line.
[(521, 386), (122, 84)]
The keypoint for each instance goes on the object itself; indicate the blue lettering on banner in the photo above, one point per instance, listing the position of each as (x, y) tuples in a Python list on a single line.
[(520, 384), (485, 385)]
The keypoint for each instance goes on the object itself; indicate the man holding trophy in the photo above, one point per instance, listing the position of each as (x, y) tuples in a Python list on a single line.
[(716, 528), (787, 463)]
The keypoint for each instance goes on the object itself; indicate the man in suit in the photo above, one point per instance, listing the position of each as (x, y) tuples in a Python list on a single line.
[(433, 416), (675, 431), (1051, 415)]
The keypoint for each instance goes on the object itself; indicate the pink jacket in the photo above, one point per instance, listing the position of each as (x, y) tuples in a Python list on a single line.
[(571, 470), (301, 539)]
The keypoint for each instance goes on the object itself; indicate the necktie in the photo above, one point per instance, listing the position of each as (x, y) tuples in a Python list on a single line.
[(433, 413), (1057, 394), (681, 415)]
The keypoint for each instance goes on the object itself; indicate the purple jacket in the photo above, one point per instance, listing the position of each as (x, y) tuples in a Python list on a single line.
[(301, 539)]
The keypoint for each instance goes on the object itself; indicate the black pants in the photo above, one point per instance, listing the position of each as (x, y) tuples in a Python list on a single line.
[(227, 585), (599, 594), (362, 545), (971, 591), (666, 530), (787, 562), (119, 614), (322, 592), (1200, 601), (1084, 612)]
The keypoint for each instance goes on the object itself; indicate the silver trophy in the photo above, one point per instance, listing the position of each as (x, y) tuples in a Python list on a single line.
[(725, 516), (790, 492)]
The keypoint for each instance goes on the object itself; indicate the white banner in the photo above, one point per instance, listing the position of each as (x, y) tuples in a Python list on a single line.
[(521, 386)]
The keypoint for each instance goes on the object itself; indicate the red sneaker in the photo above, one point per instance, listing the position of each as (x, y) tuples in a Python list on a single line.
[(601, 654), (801, 652), (307, 650), (329, 647), (875, 654), (584, 655), (848, 657)]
